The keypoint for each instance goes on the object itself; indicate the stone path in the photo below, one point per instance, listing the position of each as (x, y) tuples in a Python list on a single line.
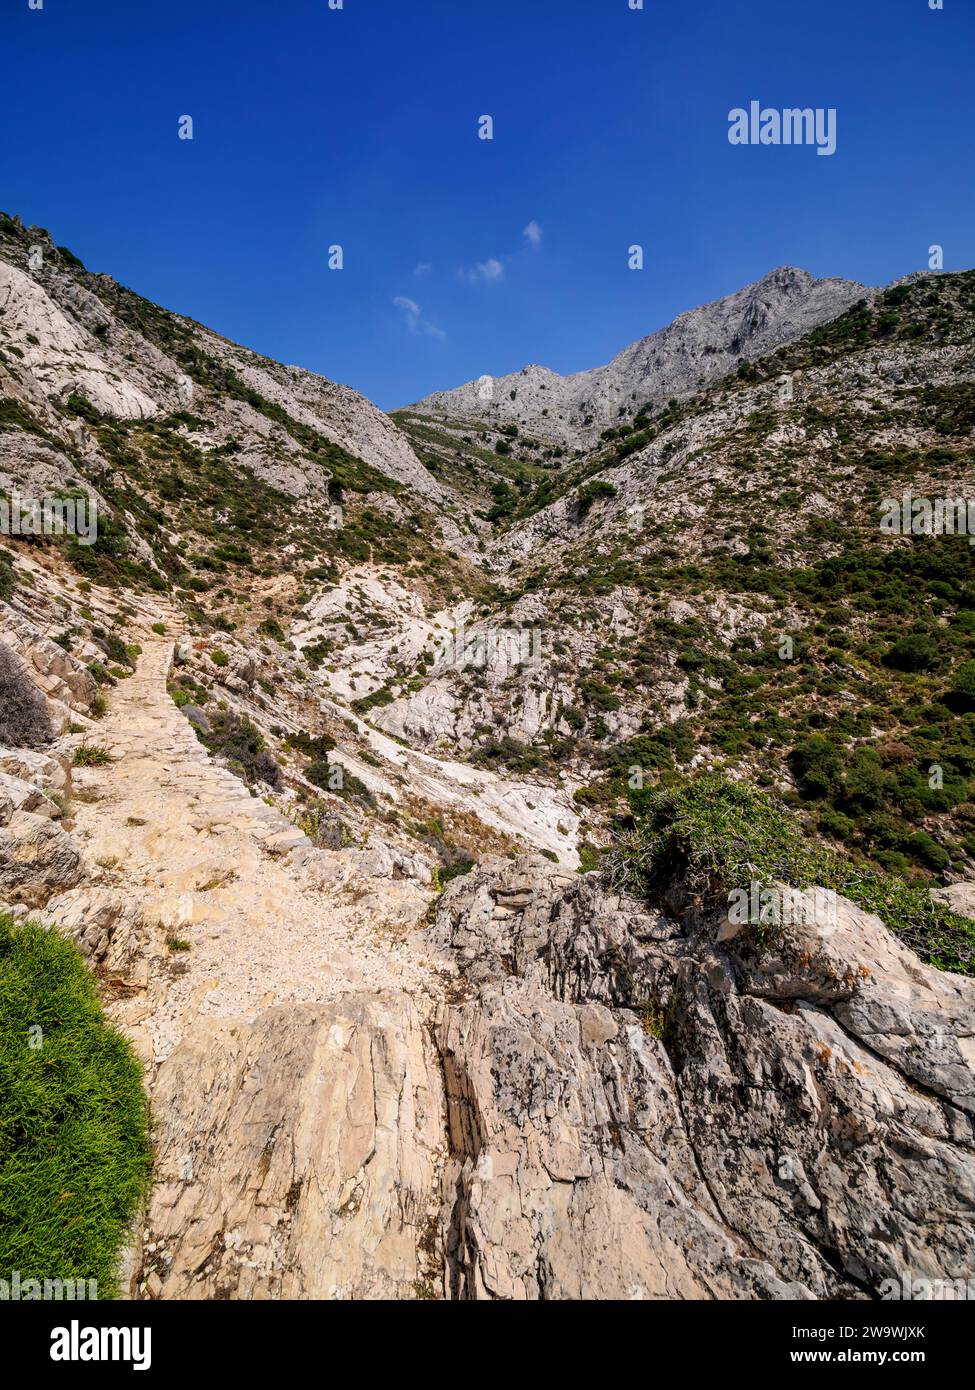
[(266, 959), (266, 917)]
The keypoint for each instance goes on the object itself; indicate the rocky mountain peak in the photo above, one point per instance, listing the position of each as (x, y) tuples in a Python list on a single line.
[(699, 346)]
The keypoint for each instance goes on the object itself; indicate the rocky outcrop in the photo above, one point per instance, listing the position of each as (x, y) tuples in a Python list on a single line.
[(646, 1107), (61, 355), (111, 931), (60, 676), (37, 860)]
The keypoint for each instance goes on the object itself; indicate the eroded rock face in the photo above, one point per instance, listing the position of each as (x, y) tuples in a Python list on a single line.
[(109, 929), (638, 1109), (56, 673), (25, 796), (298, 1157)]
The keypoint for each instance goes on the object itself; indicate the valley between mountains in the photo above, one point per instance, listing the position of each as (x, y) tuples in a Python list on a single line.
[(393, 777)]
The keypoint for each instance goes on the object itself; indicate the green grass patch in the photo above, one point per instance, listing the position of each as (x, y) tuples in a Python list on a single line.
[(74, 1147)]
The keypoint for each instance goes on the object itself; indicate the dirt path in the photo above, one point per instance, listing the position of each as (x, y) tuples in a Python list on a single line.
[(281, 1012)]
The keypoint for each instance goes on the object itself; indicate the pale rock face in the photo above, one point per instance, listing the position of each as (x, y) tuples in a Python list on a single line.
[(65, 357), (24, 796), (48, 771), (960, 897), (59, 674), (37, 860), (346, 418), (323, 1143), (110, 929)]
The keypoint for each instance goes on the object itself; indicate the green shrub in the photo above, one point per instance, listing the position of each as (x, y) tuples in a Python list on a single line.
[(70, 258), (717, 835), (917, 652), (927, 850), (865, 783), (590, 492), (242, 745), (7, 579), (80, 405), (74, 1150), (816, 764), (963, 684)]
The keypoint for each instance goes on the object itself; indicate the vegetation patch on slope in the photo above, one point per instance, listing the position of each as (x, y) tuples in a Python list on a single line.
[(715, 833)]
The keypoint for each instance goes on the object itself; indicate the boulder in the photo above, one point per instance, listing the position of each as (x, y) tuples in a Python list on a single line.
[(37, 860), (108, 927), (959, 897), (49, 770), (245, 669), (25, 796)]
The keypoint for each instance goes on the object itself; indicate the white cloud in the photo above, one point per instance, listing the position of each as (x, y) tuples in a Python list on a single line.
[(415, 321), (487, 272), (533, 234), (424, 268)]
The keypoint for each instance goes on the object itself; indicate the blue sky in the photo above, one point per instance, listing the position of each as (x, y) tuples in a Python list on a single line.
[(315, 126)]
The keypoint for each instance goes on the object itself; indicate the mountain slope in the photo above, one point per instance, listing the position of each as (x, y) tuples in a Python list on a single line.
[(316, 667), (70, 333), (698, 347)]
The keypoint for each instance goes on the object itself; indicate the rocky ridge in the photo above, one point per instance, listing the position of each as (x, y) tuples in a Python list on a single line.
[(697, 348)]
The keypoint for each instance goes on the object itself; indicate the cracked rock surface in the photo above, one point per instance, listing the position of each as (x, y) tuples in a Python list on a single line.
[(639, 1109)]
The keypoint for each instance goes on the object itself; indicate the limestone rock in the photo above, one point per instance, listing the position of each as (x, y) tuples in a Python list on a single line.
[(641, 1109), (37, 859), (24, 796), (108, 927), (960, 897), (705, 342), (48, 770), (297, 1155)]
